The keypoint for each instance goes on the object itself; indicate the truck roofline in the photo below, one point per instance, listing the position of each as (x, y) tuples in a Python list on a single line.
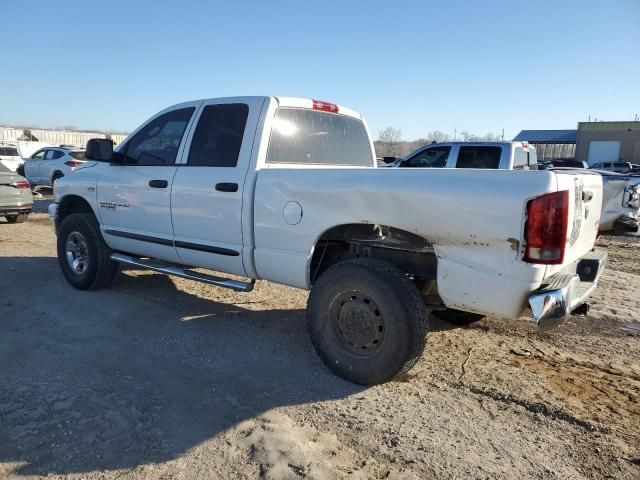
[(296, 102)]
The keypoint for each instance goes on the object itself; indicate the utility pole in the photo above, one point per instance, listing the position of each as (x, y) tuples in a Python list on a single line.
[(455, 133), (503, 134)]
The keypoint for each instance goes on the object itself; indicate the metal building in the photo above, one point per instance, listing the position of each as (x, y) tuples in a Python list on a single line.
[(550, 144), (608, 142)]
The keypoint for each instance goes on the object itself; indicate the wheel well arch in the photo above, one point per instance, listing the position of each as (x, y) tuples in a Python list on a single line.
[(72, 204), (413, 254)]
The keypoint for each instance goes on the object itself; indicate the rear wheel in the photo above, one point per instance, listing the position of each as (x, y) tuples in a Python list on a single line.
[(84, 257), (367, 321), (17, 218)]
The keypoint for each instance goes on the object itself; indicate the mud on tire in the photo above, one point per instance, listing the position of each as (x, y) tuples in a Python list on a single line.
[(367, 321)]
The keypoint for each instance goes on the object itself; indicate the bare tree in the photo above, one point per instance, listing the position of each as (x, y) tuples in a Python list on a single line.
[(389, 141), (467, 136), (438, 136)]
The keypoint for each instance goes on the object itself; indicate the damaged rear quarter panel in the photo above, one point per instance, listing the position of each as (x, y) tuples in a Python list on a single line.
[(470, 216)]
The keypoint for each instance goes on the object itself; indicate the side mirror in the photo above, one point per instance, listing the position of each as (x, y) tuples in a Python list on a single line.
[(99, 150)]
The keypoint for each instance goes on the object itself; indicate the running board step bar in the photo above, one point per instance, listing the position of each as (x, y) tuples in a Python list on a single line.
[(178, 271)]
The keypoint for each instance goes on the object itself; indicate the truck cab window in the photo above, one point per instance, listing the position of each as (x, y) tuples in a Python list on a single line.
[(432, 157), (520, 159), (479, 157), (303, 136), (218, 136), (158, 141)]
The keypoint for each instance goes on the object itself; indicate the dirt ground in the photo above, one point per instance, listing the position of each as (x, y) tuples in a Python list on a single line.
[(162, 378)]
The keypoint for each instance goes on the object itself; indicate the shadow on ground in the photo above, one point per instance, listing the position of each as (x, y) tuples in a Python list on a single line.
[(140, 373)]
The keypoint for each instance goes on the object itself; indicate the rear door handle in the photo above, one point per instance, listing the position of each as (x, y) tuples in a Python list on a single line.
[(158, 183), (227, 187)]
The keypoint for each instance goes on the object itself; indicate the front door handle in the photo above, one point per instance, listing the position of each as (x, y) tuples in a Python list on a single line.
[(227, 187), (158, 183)]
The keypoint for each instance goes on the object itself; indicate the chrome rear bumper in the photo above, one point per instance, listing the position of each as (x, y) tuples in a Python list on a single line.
[(552, 304)]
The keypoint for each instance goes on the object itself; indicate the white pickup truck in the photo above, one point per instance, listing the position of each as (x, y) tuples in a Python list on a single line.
[(286, 190)]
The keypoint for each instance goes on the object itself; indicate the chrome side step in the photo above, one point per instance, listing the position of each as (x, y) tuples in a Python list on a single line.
[(178, 271)]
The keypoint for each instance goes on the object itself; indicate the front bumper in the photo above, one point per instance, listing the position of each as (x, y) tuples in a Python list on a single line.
[(567, 290), (12, 210)]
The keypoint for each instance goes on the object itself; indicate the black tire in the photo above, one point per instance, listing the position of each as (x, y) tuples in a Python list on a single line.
[(458, 317), (385, 320), (17, 218), (100, 270)]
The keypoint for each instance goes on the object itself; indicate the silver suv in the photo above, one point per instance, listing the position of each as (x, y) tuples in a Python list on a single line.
[(50, 163)]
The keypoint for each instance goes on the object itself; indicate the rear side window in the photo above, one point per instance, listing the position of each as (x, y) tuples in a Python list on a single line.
[(432, 157), (10, 152), (158, 141), (77, 155), (312, 137), (218, 136), (524, 159), (57, 154), (479, 157)]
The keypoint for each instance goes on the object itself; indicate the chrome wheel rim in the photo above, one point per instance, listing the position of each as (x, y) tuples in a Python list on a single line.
[(77, 253)]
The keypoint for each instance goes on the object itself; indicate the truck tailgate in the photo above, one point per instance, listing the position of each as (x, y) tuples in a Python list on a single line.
[(585, 205)]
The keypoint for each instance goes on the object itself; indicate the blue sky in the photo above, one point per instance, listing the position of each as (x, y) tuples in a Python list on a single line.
[(418, 66)]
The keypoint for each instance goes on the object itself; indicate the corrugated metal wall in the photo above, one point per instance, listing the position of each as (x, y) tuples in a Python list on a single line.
[(53, 137)]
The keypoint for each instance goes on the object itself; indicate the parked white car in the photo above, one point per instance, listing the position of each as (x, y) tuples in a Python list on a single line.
[(616, 167), (51, 163), (491, 155), (286, 190), (10, 157)]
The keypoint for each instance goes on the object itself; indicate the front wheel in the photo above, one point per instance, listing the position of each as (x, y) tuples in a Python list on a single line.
[(367, 321), (17, 218), (84, 257)]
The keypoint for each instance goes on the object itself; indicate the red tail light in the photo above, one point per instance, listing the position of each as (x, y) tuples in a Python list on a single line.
[(325, 106), (545, 232), (73, 163), (20, 184)]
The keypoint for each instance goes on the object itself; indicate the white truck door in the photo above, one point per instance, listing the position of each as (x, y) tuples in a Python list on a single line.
[(134, 197), (206, 198)]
